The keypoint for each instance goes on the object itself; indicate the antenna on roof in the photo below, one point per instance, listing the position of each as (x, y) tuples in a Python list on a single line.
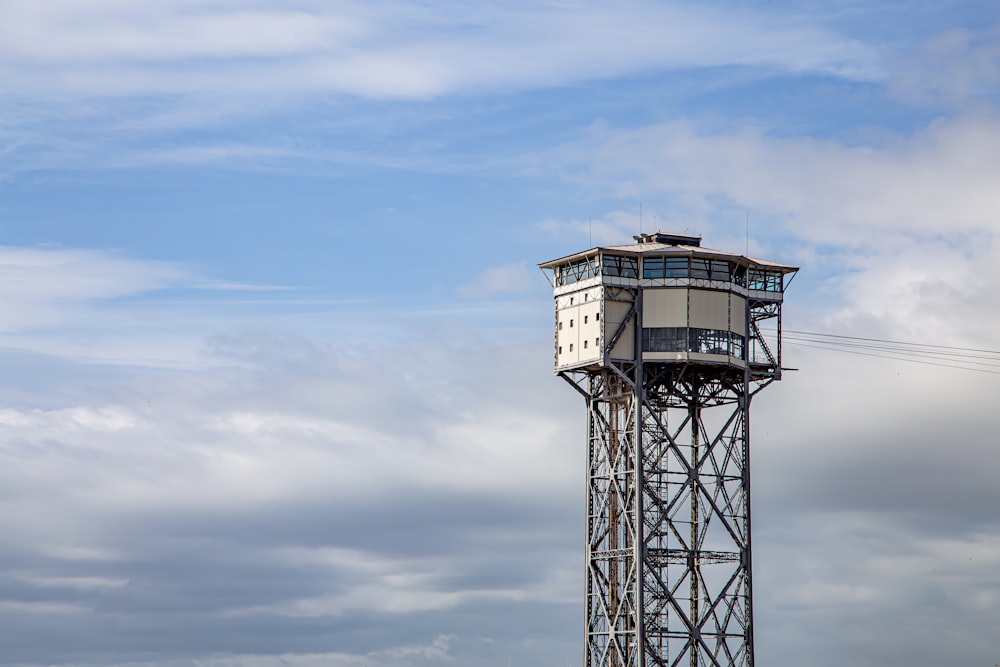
[(748, 232), (640, 216)]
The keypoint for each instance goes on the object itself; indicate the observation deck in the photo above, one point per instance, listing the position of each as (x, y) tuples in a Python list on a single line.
[(666, 299)]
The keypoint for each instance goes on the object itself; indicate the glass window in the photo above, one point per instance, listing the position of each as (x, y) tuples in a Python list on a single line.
[(720, 270), (676, 267), (577, 271), (736, 345), (700, 268), (767, 281), (665, 267), (623, 267), (740, 275), (652, 267), (684, 267), (664, 339), (709, 341), (703, 341)]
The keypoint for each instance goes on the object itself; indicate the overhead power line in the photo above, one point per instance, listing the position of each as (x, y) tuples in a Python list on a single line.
[(928, 354), (893, 342)]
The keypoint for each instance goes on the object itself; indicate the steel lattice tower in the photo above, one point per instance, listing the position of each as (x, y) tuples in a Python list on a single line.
[(664, 340)]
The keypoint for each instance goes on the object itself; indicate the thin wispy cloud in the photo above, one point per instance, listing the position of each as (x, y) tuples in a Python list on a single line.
[(42, 286), (953, 69), (372, 50)]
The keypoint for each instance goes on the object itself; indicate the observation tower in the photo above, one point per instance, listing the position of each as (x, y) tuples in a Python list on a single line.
[(663, 339)]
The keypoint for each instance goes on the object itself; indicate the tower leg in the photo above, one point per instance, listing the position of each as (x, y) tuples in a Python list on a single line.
[(612, 612)]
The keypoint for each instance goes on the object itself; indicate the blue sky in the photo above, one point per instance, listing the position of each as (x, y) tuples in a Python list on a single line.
[(277, 376)]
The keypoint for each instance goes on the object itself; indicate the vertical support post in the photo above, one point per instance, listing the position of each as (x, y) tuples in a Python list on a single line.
[(640, 464), (695, 535), (747, 555), (588, 586)]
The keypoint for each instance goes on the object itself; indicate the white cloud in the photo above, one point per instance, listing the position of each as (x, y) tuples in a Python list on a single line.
[(207, 155), (509, 279), (954, 68), (938, 182), (389, 49), (30, 608), (436, 651), (395, 484), (45, 286), (81, 583), (175, 29)]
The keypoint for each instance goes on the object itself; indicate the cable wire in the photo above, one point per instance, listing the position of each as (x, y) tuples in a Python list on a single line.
[(884, 356), (894, 342), (930, 354)]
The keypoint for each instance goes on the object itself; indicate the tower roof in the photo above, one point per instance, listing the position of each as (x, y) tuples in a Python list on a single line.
[(664, 243)]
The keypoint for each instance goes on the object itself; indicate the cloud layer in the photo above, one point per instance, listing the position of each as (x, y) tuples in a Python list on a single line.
[(202, 469), (389, 49), (936, 181), (286, 493)]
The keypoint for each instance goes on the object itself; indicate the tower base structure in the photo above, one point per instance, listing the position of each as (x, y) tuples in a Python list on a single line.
[(669, 576)]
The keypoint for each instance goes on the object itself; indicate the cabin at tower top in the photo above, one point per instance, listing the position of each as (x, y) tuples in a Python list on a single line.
[(667, 299)]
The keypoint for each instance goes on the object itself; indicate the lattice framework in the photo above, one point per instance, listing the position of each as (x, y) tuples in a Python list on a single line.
[(668, 515)]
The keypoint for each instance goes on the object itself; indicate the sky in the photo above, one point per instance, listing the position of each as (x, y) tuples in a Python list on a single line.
[(276, 358)]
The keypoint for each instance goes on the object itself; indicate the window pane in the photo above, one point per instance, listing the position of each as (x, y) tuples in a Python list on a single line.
[(699, 268), (664, 339), (770, 281), (702, 341), (720, 270), (740, 275), (623, 267), (676, 267), (709, 341), (736, 345), (580, 270), (652, 267)]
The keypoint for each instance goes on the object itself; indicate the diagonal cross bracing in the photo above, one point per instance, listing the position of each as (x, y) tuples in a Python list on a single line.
[(668, 577)]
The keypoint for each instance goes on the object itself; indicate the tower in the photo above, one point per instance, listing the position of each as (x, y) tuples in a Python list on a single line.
[(663, 339)]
